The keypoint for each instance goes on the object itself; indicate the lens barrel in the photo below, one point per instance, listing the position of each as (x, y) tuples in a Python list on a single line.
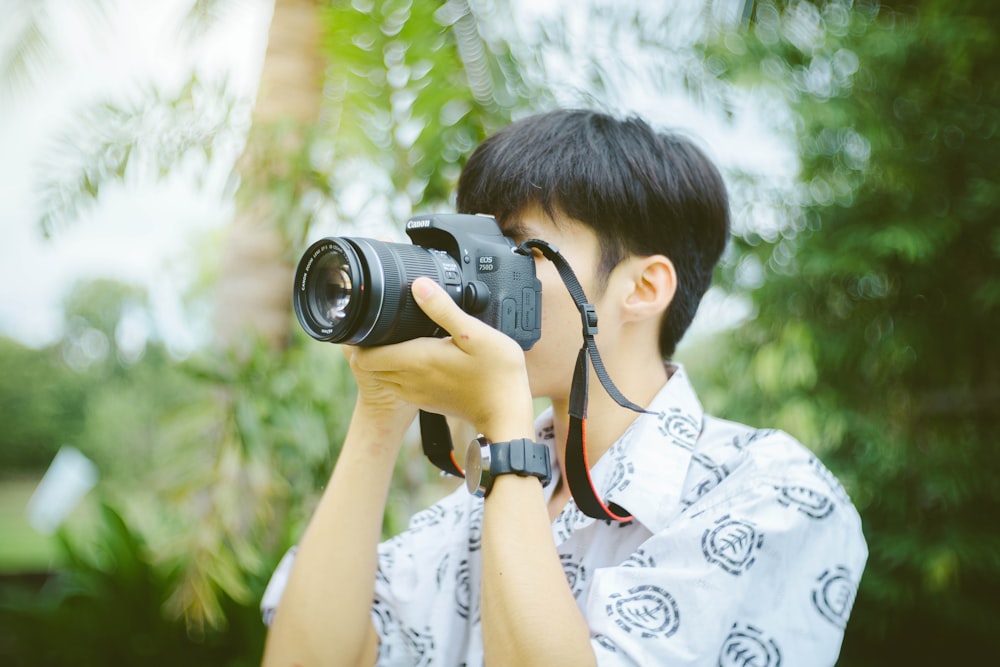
[(357, 290)]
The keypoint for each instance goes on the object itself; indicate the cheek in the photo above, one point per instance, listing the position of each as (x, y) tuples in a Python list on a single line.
[(561, 329), (556, 299), (552, 360), (558, 312)]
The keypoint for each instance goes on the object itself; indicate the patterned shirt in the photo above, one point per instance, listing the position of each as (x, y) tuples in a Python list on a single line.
[(744, 550)]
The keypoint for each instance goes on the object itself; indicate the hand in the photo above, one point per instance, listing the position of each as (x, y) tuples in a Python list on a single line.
[(476, 374), (378, 402)]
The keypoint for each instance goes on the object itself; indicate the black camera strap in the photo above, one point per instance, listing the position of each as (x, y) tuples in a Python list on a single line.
[(436, 437), (577, 466)]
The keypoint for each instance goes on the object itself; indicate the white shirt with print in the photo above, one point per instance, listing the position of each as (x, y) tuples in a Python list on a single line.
[(744, 550)]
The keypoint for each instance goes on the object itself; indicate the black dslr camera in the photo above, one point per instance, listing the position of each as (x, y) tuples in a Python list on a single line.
[(357, 290)]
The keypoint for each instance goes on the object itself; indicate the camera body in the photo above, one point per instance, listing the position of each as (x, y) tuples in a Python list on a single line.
[(357, 290), (497, 283)]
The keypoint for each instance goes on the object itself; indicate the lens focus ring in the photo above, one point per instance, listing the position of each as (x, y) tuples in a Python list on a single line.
[(400, 317)]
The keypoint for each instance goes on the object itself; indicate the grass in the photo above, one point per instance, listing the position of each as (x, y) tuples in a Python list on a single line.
[(22, 548)]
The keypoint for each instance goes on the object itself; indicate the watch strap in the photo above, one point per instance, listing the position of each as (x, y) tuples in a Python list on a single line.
[(522, 457)]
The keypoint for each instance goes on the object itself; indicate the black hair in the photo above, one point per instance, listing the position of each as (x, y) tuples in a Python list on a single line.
[(643, 193)]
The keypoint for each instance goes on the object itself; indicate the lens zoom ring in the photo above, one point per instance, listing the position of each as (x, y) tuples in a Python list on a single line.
[(402, 319)]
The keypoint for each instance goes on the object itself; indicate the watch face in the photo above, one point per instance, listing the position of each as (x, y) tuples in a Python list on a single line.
[(474, 467)]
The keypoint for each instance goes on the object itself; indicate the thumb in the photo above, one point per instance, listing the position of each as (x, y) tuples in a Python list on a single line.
[(443, 310)]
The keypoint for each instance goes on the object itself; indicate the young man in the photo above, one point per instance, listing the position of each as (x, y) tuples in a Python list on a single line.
[(742, 548)]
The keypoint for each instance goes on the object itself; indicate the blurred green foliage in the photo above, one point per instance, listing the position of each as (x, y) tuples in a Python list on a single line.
[(106, 607), (93, 389), (243, 469), (42, 401), (415, 88), (872, 335)]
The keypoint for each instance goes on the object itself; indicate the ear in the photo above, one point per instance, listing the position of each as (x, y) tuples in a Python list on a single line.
[(652, 283)]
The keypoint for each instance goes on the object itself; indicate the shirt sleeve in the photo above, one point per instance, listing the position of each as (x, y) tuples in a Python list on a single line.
[(426, 595), (276, 586), (764, 576)]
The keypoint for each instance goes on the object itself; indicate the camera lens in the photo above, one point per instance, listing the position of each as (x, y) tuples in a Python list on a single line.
[(357, 290), (331, 294)]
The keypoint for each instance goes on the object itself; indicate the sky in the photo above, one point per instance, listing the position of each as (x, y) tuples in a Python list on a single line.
[(150, 235)]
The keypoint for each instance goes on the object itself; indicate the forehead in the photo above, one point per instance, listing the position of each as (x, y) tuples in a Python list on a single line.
[(577, 241), (534, 222)]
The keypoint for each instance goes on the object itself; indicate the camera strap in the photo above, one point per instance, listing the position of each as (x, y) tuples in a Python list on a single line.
[(436, 437), (577, 466)]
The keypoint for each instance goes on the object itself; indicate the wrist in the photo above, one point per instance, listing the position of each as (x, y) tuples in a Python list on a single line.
[(508, 410), (378, 429), (508, 423)]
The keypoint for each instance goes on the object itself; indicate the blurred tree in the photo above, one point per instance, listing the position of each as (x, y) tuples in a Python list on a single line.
[(25, 40), (275, 172), (42, 402), (397, 90), (97, 314), (414, 87), (872, 335), (381, 55), (47, 394), (223, 479)]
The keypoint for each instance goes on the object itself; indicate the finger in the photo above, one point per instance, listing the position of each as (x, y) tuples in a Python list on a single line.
[(404, 363), (440, 307), (354, 355)]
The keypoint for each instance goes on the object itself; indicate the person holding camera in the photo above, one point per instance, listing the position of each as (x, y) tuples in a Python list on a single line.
[(623, 526)]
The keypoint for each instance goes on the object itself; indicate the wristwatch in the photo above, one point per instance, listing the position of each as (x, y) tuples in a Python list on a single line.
[(485, 461)]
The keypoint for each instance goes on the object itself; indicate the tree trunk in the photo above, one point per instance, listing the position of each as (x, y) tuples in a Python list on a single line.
[(254, 289)]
